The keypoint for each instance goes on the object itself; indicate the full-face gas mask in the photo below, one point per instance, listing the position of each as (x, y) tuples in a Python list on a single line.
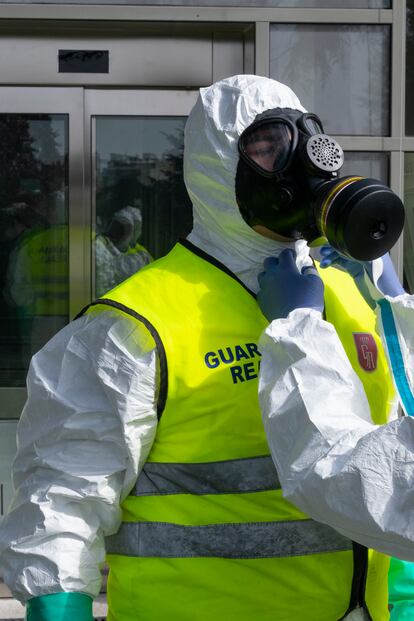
[(287, 180)]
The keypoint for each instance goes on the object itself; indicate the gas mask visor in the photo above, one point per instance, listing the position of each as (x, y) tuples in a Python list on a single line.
[(269, 144)]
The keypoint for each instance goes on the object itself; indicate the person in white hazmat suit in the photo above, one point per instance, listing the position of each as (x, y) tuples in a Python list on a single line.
[(118, 253), (325, 400), (142, 434)]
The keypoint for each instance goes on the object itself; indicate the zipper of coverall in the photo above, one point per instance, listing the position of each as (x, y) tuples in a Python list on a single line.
[(359, 580)]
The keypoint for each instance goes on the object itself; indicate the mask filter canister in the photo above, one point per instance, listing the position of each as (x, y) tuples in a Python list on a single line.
[(360, 217)]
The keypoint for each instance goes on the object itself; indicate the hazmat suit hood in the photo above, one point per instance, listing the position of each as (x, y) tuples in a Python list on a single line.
[(131, 216), (222, 112)]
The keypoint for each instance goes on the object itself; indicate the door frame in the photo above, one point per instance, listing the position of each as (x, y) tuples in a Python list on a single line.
[(83, 105), (66, 101)]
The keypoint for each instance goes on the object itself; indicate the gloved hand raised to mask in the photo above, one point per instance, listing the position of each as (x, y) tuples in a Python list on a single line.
[(374, 279), (283, 287)]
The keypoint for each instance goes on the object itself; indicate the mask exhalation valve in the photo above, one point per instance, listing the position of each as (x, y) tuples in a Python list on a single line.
[(324, 153)]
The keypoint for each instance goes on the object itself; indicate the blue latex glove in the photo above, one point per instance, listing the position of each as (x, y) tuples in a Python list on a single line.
[(382, 276), (283, 288), (330, 256), (60, 607)]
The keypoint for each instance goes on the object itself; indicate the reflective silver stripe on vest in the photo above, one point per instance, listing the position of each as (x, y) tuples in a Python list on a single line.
[(255, 474), (246, 540)]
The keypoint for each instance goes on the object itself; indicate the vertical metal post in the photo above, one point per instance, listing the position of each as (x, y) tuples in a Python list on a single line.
[(262, 59), (79, 218), (398, 113), (90, 183)]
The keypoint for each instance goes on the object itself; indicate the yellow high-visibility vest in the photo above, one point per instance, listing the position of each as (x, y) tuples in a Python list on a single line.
[(47, 267), (206, 533)]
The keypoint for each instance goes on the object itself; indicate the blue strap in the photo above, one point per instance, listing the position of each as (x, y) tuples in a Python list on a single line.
[(397, 362)]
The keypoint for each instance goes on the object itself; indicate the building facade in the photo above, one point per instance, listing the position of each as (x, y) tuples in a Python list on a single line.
[(93, 101)]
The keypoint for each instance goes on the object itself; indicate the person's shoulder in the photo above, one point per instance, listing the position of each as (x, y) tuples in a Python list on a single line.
[(106, 326)]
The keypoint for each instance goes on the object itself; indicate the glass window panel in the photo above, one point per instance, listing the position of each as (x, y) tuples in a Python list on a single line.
[(409, 223), (34, 237), (409, 70), (340, 72), (142, 206), (365, 164)]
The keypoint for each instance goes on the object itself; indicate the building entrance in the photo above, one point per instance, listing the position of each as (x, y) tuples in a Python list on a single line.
[(91, 190)]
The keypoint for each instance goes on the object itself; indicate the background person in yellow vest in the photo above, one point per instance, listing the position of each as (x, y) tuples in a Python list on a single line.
[(143, 426), (118, 253), (37, 273)]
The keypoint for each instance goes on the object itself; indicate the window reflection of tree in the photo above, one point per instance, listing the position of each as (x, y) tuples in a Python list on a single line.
[(32, 167), (341, 72), (409, 85)]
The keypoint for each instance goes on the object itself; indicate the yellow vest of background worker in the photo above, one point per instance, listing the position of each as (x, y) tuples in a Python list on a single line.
[(206, 533), (40, 275)]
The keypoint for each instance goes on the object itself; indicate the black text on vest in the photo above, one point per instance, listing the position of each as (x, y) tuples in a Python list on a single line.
[(242, 361)]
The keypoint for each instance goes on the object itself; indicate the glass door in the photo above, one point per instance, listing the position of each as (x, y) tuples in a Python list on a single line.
[(41, 250), (40, 204), (140, 206), (91, 190)]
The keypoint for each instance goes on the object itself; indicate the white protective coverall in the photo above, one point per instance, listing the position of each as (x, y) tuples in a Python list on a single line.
[(334, 463), (90, 418)]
